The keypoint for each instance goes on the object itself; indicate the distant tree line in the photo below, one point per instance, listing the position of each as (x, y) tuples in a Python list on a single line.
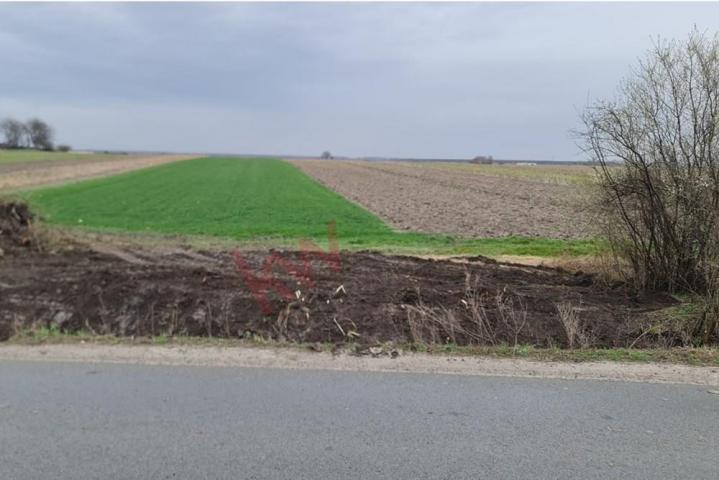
[(34, 133)]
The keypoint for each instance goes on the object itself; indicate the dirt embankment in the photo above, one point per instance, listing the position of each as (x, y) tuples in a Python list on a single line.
[(20, 175), (453, 199), (300, 296), (16, 233)]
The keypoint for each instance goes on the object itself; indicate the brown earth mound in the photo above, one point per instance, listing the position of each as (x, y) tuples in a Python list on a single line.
[(300, 296), (15, 226)]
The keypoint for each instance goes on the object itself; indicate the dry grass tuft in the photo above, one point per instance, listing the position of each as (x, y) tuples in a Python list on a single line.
[(577, 332), (480, 319)]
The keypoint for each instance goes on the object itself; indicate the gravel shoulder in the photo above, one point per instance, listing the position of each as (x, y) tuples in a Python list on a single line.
[(458, 199), (285, 358)]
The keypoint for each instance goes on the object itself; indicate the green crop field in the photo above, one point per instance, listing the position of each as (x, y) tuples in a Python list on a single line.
[(19, 156), (262, 199)]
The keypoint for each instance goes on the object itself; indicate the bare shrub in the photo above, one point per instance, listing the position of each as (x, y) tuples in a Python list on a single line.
[(707, 328), (470, 323), (512, 313), (569, 320), (432, 325), (578, 333), (656, 147), (475, 303)]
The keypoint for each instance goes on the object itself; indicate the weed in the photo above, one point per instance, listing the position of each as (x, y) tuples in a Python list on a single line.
[(471, 322), (576, 330)]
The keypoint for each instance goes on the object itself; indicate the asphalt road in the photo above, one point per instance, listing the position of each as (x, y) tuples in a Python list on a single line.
[(72, 421)]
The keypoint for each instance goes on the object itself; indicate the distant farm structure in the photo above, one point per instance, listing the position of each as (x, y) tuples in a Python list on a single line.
[(483, 160)]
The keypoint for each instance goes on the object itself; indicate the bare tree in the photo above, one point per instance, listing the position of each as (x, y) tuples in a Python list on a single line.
[(14, 132), (657, 147), (326, 155), (40, 134)]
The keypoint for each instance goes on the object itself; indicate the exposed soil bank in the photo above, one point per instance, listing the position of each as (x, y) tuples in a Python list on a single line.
[(296, 296)]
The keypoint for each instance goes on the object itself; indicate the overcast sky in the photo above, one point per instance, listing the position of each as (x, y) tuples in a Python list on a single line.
[(403, 80)]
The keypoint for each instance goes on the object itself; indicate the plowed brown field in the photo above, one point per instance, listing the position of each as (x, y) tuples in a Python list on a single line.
[(462, 199)]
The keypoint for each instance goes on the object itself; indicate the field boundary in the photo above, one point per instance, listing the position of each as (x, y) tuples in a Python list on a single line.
[(283, 358), (19, 177)]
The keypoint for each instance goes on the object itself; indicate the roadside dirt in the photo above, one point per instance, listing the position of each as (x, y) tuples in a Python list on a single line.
[(407, 362), (300, 296), (15, 176), (457, 200)]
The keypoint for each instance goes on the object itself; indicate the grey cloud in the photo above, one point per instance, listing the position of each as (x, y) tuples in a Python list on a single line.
[(421, 80)]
